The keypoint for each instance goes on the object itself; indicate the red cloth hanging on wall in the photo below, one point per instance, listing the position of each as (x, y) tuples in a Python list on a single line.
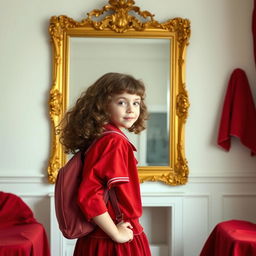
[(238, 115), (254, 29)]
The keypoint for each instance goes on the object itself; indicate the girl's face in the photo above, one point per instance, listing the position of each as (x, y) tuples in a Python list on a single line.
[(124, 109)]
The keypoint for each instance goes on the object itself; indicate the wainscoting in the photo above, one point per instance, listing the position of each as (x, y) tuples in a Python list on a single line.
[(177, 220)]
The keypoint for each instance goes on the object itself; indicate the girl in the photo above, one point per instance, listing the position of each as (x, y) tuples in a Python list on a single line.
[(114, 102)]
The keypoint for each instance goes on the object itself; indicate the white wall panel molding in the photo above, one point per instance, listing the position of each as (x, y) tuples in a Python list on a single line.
[(197, 217), (23, 179), (239, 206), (209, 205), (194, 178), (35, 195), (223, 178), (163, 194), (231, 195), (26, 185)]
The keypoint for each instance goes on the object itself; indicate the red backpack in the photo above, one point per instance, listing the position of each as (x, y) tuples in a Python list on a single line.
[(71, 220)]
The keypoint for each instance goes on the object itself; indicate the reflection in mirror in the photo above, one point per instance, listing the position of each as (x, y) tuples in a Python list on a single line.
[(146, 59)]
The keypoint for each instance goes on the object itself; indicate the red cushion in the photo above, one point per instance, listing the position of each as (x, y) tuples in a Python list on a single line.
[(14, 211)]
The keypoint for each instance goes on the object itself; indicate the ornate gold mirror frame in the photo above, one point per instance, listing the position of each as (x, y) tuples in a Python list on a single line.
[(122, 19)]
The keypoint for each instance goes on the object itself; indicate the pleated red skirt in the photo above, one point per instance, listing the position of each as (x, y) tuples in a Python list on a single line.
[(94, 246)]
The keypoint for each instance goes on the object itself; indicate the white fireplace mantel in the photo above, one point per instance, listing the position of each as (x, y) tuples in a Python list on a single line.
[(171, 204)]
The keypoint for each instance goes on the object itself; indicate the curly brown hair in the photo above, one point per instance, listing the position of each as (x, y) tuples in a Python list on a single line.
[(86, 119)]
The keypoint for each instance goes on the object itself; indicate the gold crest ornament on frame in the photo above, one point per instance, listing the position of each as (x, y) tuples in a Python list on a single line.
[(122, 38)]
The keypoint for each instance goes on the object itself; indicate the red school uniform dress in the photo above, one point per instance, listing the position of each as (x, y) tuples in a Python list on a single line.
[(110, 162)]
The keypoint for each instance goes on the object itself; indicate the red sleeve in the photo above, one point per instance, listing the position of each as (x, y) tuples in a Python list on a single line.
[(113, 166), (109, 168)]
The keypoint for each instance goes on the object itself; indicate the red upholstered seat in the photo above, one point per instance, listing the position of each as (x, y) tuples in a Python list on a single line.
[(20, 233), (231, 238)]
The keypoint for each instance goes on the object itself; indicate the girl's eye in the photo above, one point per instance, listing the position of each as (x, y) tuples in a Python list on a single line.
[(136, 103), (121, 102)]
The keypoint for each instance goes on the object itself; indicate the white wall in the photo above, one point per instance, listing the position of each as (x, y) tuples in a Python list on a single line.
[(221, 185)]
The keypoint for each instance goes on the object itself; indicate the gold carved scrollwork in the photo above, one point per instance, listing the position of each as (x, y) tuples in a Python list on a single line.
[(55, 110), (181, 169), (55, 103), (59, 24), (56, 96), (181, 26), (182, 105), (117, 19), (166, 178), (121, 20), (54, 166)]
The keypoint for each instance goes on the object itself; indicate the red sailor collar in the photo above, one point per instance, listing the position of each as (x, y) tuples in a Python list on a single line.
[(112, 127)]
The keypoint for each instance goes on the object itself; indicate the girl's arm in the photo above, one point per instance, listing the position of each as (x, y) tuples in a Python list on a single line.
[(120, 233)]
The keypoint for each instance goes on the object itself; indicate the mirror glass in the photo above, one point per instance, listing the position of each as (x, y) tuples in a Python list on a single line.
[(146, 59)]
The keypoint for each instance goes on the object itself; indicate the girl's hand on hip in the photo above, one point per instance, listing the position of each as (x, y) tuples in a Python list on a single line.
[(124, 233)]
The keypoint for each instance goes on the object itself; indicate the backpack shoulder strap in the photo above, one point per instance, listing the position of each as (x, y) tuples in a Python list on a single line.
[(114, 202)]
